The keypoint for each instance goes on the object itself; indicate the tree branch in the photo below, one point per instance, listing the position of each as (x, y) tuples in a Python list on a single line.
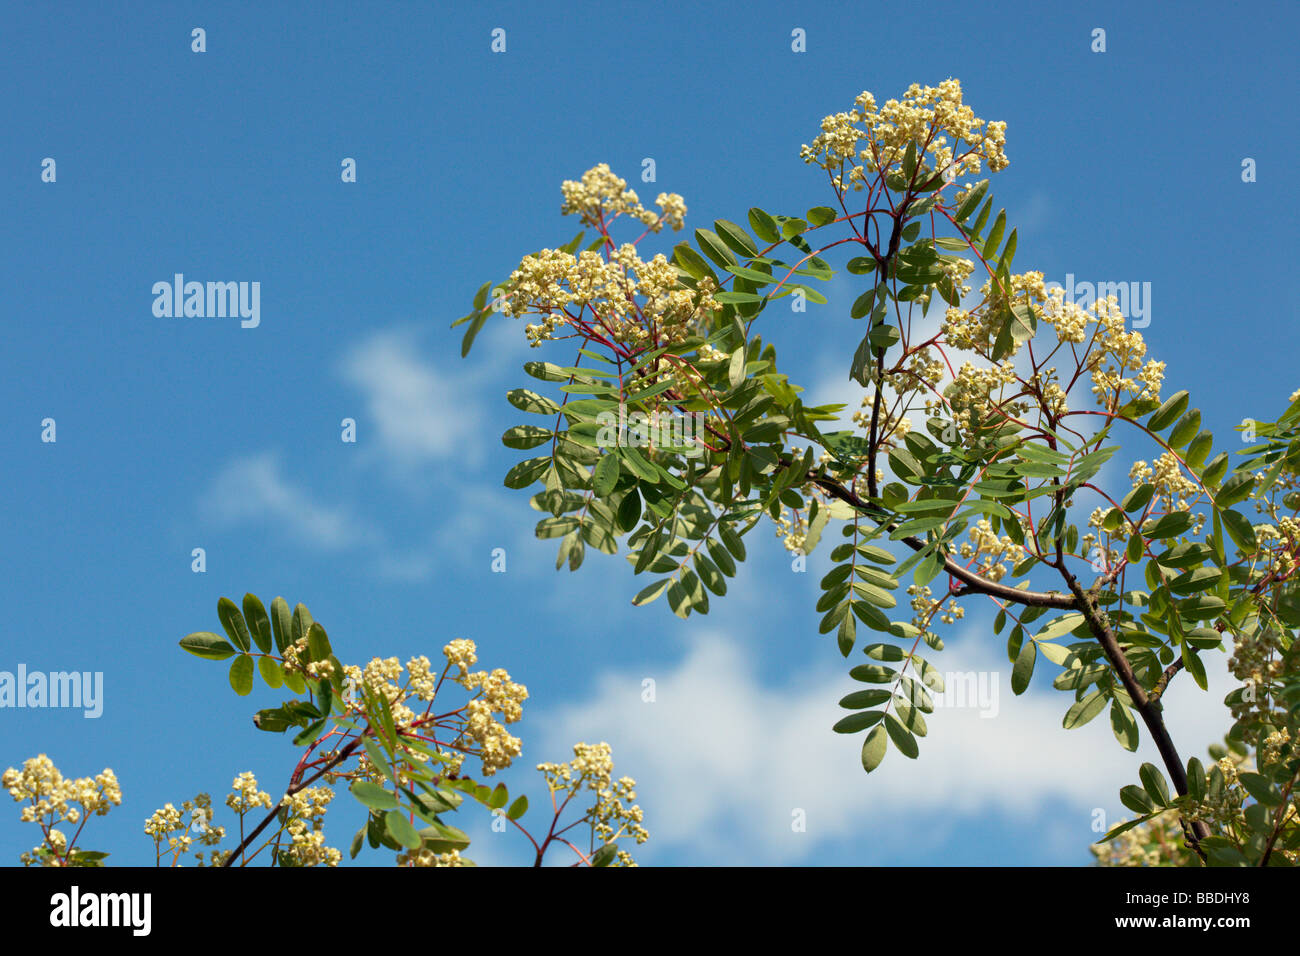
[(975, 583), (1148, 707)]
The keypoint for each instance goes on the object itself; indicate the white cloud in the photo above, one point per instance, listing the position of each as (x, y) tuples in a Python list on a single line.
[(255, 490), (723, 761), (419, 410)]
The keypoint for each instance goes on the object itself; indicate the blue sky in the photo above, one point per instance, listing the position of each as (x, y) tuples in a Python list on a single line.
[(177, 433)]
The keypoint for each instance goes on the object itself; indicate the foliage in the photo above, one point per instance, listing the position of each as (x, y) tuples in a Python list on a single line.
[(669, 430)]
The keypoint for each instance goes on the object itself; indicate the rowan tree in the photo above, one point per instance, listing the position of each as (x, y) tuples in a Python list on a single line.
[(972, 471)]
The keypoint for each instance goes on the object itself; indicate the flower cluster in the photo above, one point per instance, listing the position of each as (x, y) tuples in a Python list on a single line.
[(475, 728), (614, 814), (177, 831), (925, 116), (1115, 355), (600, 196), (792, 530), (1157, 842), (1173, 490), (498, 694), (977, 397), (611, 295), (426, 857), (630, 300), (245, 796), (996, 555), (51, 798), (305, 829)]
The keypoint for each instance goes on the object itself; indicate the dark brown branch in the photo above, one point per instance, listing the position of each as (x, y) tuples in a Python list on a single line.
[(1163, 682), (334, 761), (1147, 707), (975, 583)]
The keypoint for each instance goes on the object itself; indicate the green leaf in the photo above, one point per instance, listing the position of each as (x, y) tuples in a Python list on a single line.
[(233, 623), (995, 234), (971, 201), (526, 436), (281, 624), (859, 721), (372, 795), (1186, 429), (1055, 653), (301, 622), (793, 227), (1023, 669), (318, 643), (377, 756), (606, 475), (272, 720), (207, 645), (821, 215), (1061, 625), (1124, 725), (1215, 469), (637, 464), (258, 623), (691, 261), (1259, 787), (1235, 489), (270, 670), (1082, 711), (1166, 413), (714, 248), (739, 298), (736, 237), (736, 367), (293, 680), (901, 737), (873, 749), (1168, 526), (605, 855), (651, 591), (1008, 253), (241, 675), (1194, 666), (1195, 778), (1153, 781), (1197, 579), (526, 400), (764, 226), (526, 472), (862, 304), (752, 275), (1198, 450), (518, 808), (873, 674), (1137, 499), (400, 829), (865, 698), (1136, 799)]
